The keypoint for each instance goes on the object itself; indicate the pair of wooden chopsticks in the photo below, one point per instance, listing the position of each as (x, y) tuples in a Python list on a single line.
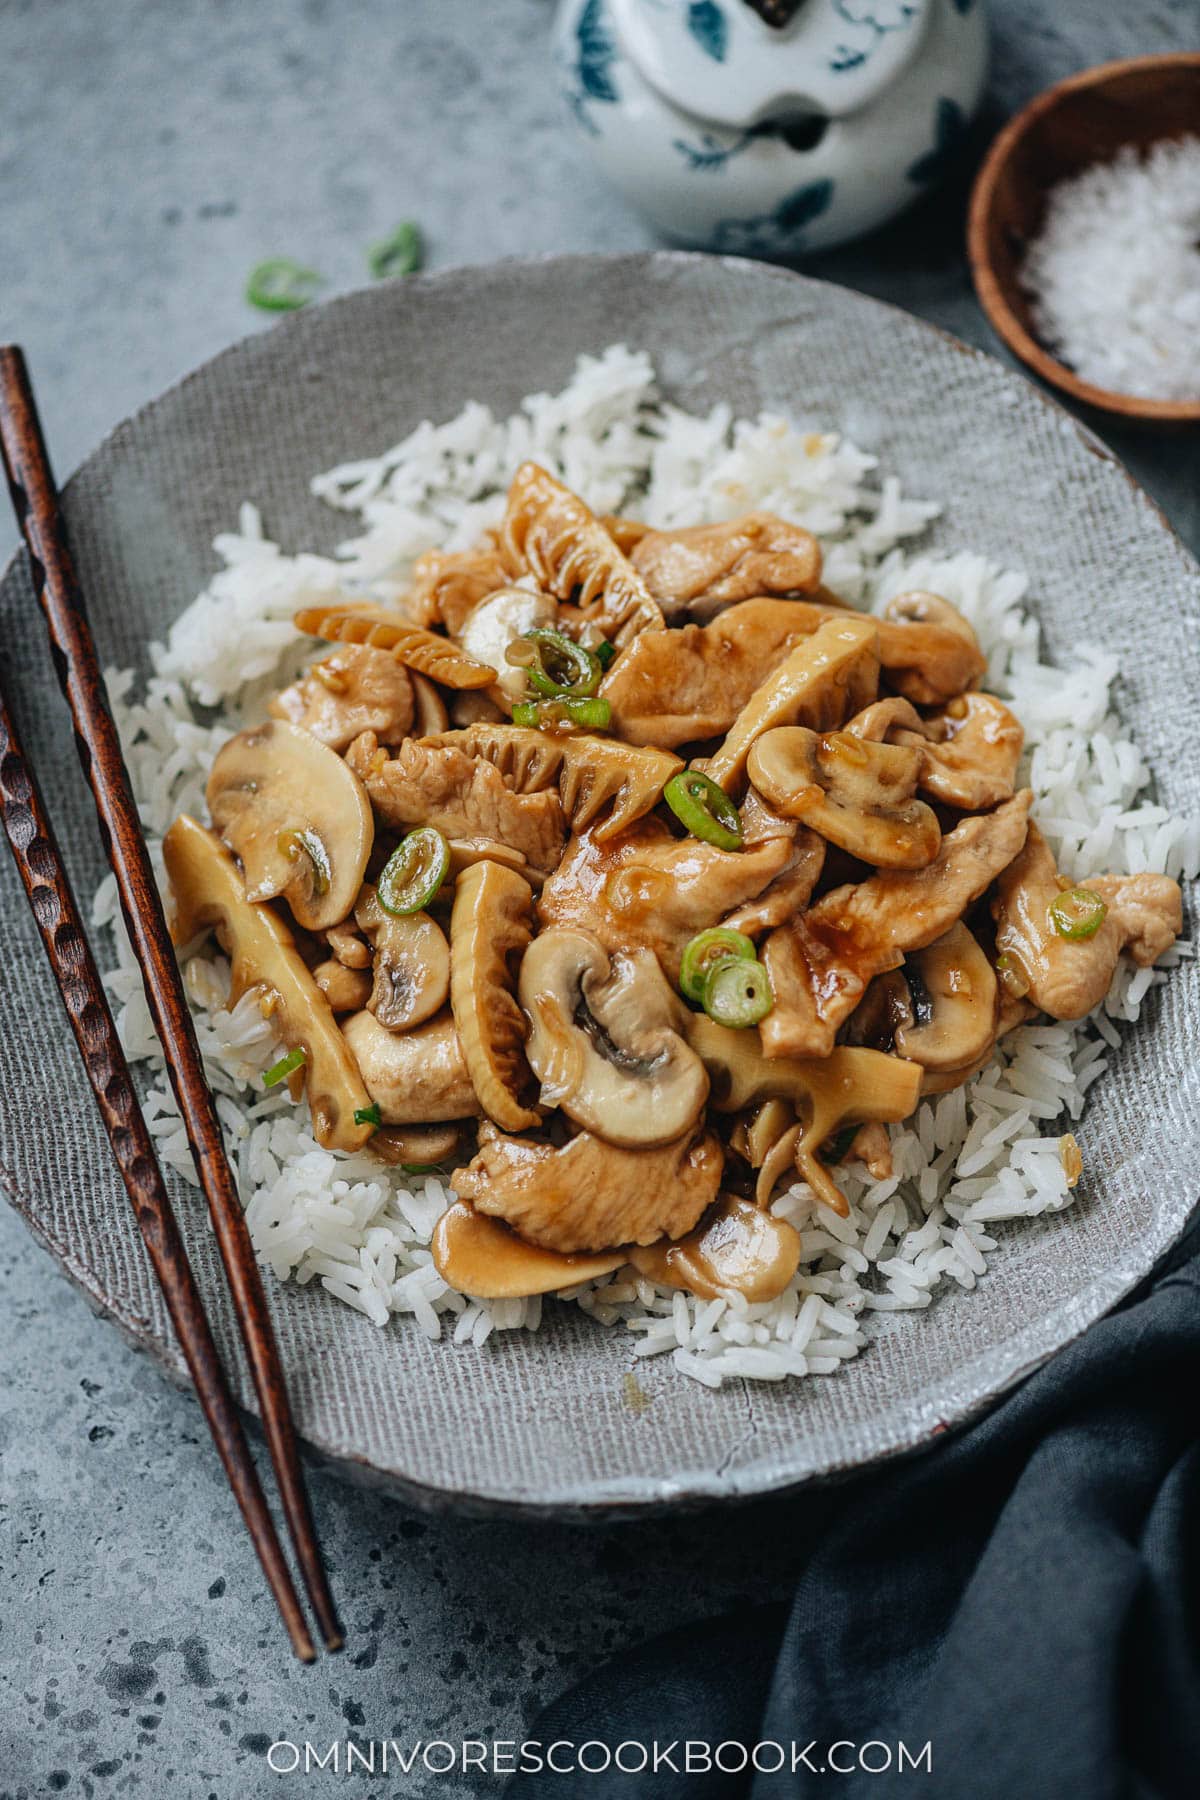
[(42, 872)]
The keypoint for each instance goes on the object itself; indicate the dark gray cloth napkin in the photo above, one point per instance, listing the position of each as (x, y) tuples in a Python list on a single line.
[(1025, 1598)]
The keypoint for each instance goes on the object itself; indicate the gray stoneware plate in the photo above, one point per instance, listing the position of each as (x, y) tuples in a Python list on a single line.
[(539, 1422)]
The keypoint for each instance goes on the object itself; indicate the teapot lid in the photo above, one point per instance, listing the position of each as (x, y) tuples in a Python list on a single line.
[(723, 61)]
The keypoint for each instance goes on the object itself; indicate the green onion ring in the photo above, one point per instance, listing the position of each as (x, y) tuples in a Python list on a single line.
[(287, 1065), (1077, 913), (708, 948), (414, 872), (401, 254), (368, 1115), (562, 669), (281, 285), (737, 993), (564, 714), (704, 809), (604, 652)]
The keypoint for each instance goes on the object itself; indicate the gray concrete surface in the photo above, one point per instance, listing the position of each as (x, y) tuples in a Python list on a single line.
[(149, 154)]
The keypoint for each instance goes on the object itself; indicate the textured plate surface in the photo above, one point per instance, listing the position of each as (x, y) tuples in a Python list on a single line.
[(539, 1421)]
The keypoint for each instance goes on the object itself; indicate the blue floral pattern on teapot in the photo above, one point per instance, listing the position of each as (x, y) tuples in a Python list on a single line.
[(734, 159)]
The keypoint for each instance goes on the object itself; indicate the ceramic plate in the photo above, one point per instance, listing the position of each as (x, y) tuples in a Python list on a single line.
[(539, 1422)]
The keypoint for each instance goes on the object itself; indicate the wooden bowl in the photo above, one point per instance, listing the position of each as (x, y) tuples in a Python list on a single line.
[(1083, 120)]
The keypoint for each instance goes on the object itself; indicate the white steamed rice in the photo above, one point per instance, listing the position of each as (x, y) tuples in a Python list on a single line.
[(967, 1160)]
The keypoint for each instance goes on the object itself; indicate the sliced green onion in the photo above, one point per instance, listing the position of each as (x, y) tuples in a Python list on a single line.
[(834, 1150), (565, 714), (281, 285), (294, 844), (401, 254), (704, 809), (706, 950), (738, 993), (418, 1168), (604, 652), (414, 871), (1077, 913), (287, 1065), (368, 1115), (561, 668)]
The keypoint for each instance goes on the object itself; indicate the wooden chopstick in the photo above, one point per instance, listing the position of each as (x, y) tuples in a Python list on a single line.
[(36, 503)]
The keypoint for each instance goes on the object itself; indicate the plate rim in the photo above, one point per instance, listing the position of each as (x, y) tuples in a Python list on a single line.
[(924, 1418)]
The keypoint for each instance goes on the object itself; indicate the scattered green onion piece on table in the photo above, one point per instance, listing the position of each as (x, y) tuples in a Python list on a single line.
[(414, 872), (738, 993), (563, 714), (708, 948), (1077, 913), (704, 809), (401, 254), (295, 844), (287, 1065), (368, 1115), (281, 285), (562, 669)]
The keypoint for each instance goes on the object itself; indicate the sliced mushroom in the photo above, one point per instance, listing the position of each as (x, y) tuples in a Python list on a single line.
[(418, 1146), (738, 1247), (210, 893), (499, 621), (490, 928), (590, 1195), (485, 1258), (825, 679), (605, 1040), (848, 1087), (297, 818), (856, 794), (412, 963), (466, 852), (953, 989), (971, 760), (347, 990), (416, 1077), (347, 947)]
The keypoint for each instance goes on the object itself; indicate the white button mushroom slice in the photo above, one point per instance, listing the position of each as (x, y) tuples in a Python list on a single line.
[(738, 1247), (589, 1195), (354, 690), (347, 947), (847, 1087), (854, 793), (500, 620), (412, 645), (297, 818), (416, 1077), (822, 682), (606, 1040), (466, 852), (419, 1145), (953, 1003), (485, 1258), (412, 963), (490, 927), (210, 893)]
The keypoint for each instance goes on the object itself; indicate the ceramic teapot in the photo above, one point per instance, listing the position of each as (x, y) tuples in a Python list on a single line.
[(771, 127)]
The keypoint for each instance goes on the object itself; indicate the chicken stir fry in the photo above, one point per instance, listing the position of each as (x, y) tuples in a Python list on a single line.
[(627, 875)]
